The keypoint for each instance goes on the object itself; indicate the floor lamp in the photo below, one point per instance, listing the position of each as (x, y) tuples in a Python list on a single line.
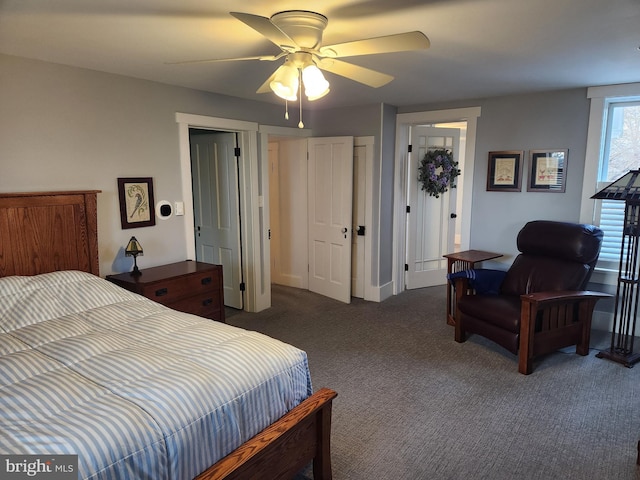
[(627, 189)]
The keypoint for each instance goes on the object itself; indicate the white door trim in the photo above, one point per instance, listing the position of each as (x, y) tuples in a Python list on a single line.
[(403, 123), (370, 292), (186, 121), (430, 228), (264, 132), (216, 208), (248, 174)]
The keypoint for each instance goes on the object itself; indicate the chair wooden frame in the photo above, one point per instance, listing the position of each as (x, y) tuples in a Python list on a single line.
[(557, 328)]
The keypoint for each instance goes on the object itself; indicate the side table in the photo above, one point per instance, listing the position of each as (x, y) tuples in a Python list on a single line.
[(462, 261)]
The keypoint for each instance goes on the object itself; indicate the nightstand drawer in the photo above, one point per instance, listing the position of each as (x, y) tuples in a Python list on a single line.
[(204, 305), (171, 290)]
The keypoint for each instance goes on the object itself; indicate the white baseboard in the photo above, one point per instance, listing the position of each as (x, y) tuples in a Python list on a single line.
[(379, 294)]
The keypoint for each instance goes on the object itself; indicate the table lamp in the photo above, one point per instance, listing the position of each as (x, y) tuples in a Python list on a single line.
[(133, 250)]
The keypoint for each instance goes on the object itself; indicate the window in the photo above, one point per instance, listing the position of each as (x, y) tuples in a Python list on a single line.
[(613, 148), (622, 140), (620, 153)]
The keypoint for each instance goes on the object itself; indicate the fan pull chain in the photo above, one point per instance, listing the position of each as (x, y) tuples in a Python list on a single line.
[(300, 124), (286, 109)]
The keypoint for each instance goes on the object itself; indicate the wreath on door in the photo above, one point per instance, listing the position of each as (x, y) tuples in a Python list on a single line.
[(438, 171)]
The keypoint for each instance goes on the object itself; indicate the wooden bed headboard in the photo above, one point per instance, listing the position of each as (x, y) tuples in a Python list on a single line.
[(48, 231)]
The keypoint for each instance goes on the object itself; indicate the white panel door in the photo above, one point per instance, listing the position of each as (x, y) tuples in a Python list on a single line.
[(330, 184), (431, 221), (216, 208)]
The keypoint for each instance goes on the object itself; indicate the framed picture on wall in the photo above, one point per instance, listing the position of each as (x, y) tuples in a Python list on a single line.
[(136, 202), (548, 170), (505, 171)]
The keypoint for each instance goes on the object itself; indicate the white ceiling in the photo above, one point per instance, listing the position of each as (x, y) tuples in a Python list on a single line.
[(478, 48)]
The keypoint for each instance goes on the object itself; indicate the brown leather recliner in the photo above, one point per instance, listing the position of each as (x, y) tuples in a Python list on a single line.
[(541, 305)]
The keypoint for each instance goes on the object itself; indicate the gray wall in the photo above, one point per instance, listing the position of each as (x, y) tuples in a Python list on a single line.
[(556, 119), (69, 128), (386, 193), (64, 128)]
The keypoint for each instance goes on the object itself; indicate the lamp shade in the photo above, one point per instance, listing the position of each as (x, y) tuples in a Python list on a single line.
[(626, 188), (315, 85), (285, 83), (133, 248)]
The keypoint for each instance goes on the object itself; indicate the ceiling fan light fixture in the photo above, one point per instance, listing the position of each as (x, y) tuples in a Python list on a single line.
[(298, 34), (311, 98), (285, 83), (315, 85)]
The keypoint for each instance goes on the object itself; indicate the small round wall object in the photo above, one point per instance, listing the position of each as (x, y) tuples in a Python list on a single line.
[(164, 210)]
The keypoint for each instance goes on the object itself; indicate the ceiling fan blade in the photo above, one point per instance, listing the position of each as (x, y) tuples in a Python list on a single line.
[(400, 42), (354, 72), (269, 58), (265, 27)]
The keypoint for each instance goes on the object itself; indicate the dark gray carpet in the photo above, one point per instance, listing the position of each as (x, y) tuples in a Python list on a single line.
[(414, 404)]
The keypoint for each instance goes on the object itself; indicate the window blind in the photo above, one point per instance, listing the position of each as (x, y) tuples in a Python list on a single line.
[(611, 223)]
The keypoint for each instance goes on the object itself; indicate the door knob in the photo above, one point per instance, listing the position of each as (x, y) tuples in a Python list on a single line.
[(453, 215)]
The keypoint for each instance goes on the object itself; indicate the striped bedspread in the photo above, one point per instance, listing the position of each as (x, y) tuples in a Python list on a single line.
[(137, 390)]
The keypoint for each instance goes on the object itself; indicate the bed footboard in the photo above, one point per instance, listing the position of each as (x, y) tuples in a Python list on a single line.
[(285, 447)]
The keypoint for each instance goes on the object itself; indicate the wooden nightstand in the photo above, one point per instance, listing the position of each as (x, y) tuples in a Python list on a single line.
[(191, 287)]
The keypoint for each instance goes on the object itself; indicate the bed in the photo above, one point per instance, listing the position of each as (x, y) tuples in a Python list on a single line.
[(136, 389)]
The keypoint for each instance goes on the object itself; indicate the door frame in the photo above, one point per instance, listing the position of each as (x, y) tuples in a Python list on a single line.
[(265, 131), (256, 297), (223, 162), (421, 224), (367, 142), (404, 121)]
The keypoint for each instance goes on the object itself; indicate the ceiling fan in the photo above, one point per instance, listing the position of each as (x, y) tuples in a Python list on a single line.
[(298, 33)]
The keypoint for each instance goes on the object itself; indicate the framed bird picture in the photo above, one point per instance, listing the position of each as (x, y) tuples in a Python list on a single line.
[(136, 202)]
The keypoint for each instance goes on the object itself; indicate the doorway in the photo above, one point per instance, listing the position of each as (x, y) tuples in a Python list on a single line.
[(216, 207), (431, 221), (288, 211), (404, 125), (255, 253), (315, 243)]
